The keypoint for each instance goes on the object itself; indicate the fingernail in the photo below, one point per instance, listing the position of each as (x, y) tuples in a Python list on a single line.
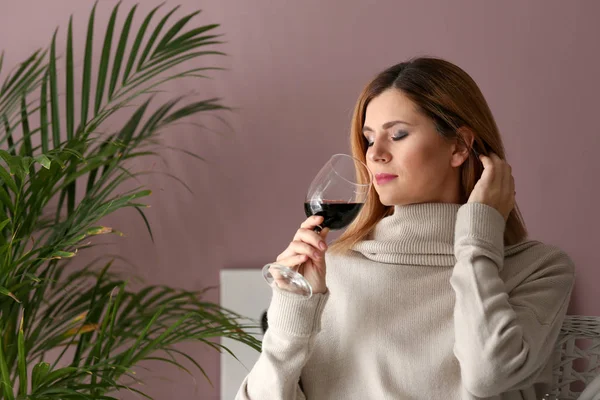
[(323, 246), (316, 254)]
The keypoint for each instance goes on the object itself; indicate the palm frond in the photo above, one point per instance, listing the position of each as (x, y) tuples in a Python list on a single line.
[(52, 143)]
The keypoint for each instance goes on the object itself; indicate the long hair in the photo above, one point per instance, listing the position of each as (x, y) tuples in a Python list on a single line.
[(451, 98)]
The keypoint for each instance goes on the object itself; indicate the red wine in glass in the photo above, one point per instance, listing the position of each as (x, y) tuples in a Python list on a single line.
[(338, 193), (336, 215)]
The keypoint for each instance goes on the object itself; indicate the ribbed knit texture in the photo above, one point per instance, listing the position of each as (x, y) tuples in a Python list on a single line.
[(431, 306)]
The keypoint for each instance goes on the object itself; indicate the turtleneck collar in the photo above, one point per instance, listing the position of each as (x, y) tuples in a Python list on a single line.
[(415, 234)]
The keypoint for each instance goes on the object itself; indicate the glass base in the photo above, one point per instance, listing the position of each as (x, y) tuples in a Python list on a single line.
[(286, 279)]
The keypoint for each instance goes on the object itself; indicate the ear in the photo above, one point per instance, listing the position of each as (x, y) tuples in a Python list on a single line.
[(462, 146)]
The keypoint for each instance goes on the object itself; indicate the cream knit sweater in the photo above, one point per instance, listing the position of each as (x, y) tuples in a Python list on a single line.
[(432, 306)]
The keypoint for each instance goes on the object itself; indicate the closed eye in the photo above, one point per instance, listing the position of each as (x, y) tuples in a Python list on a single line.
[(398, 136)]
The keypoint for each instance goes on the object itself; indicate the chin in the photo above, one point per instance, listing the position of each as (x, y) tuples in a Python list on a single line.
[(394, 201), (387, 201)]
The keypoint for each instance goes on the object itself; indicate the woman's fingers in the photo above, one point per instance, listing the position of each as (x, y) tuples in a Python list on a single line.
[(279, 279), (292, 261), (313, 238), (312, 222)]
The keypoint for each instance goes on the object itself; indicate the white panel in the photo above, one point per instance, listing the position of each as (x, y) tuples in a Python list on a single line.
[(245, 292)]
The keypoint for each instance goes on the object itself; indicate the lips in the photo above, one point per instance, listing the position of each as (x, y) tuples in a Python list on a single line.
[(384, 178)]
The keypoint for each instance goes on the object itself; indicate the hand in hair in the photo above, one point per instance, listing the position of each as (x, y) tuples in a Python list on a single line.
[(496, 187)]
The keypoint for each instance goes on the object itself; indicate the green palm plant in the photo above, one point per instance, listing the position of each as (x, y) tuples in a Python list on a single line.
[(58, 178)]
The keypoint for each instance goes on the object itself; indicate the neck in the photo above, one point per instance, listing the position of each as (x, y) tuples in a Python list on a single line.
[(415, 232)]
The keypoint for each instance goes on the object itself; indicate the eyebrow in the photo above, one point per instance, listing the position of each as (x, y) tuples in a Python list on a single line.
[(387, 125)]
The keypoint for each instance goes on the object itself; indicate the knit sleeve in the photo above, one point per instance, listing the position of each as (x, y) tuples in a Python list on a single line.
[(287, 346), (503, 341)]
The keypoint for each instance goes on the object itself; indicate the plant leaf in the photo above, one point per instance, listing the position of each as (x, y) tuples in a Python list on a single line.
[(6, 292), (175, 29), (21, 360), (148, 227), (152, 39), (43, 160), (44, 113), (8, 180), (70, 100), (105, 58), (38, 375), (27, 148), (137, 43), (120, 52), (7, 386), (62, 254), (87, 70), (54, 107)]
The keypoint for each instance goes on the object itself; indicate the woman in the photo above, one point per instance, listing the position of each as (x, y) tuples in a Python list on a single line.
[(433, 292)]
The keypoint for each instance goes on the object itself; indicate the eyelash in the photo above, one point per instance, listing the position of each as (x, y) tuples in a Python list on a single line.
[(399, 136)]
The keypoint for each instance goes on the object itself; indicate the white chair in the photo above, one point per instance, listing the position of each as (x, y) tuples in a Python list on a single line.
[(577, 357)]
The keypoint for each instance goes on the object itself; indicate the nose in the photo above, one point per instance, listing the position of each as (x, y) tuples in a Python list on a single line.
[(379, 154)]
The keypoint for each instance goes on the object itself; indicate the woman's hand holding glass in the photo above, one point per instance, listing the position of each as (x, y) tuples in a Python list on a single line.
[(306, 255)]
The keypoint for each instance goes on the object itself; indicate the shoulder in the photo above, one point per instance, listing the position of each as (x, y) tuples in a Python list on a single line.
[(343, 257), (536, 258)]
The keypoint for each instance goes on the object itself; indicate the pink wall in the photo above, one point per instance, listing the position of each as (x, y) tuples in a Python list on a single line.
[(295, 70)]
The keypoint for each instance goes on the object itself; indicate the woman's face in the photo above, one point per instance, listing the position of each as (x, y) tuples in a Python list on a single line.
[(410, 161)]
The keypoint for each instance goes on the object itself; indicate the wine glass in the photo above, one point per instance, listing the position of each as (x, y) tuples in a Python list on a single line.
[(338, 193)]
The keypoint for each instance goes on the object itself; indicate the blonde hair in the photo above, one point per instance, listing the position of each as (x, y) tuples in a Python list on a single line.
[(452, 99)]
